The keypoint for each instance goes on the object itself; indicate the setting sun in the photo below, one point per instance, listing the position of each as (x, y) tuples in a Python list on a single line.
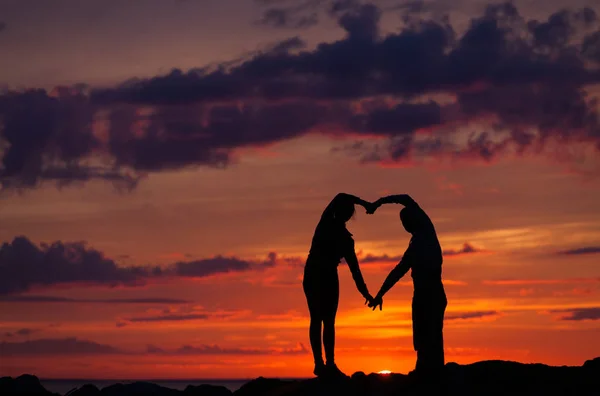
[(384, 372)]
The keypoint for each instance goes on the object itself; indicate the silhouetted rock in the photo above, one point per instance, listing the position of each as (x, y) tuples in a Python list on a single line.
[(206, 390), (592, 364), (138, 389), (85, 390), (23, 385), (488, 378)]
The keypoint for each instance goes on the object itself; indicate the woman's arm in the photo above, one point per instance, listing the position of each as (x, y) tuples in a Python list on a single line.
[(352, 262), (329, 210)]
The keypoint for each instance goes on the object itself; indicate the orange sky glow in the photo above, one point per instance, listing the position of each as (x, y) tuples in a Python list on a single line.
[(520, 230)]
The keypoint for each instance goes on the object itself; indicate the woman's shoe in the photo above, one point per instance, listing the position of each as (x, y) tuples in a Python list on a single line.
[(320, 370), (334, 371)]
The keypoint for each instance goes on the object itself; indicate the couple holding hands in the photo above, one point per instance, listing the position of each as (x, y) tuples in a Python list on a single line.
[(332, 242)]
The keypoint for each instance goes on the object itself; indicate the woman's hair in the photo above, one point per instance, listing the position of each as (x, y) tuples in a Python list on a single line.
[(344, 211)]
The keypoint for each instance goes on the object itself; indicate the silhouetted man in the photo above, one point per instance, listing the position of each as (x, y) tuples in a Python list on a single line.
[(424, 257)]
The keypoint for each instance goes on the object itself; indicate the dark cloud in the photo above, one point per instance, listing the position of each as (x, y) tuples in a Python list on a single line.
[(518, 84), (64, 346), (24, 266), (526, 282), (74, 346), (467, 248), (219, 265), (21, 332), (182, 314), (578, 314), (291, 16), (170, 318), (580, 251), (471, 315), (370, 258), (53, 299), (48, 137), (300, 349)]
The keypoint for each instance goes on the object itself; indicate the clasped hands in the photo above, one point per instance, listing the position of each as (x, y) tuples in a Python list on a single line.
[(373, 302), (371, 207)]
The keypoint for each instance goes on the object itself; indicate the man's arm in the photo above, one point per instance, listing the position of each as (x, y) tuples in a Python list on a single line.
[(402, 199), (352, 262), (394, 276)]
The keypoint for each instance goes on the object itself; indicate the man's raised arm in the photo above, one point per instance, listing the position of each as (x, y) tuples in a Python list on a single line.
[(402, 199)]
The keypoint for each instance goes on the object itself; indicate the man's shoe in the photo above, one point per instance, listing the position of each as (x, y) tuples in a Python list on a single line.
[(320, 370), (334, 371)]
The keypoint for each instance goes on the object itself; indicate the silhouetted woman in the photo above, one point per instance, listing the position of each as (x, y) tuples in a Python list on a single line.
[(331, 242)]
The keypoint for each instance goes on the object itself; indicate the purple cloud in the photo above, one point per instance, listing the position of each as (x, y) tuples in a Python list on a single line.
[(24, 266), (579, 314), (54, 299), (580, 251), (471, 315), (525, 78), (59, 347)]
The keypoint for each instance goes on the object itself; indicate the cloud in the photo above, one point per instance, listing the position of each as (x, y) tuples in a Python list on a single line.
[(63, 346), (471, 315), (74, 346), (580, 251), (525, 282), (54, 299), (466, 248), (519, 84), (579, 314), (290, 16), (371, 258), (24, 266), (300, 349), (220, 265), (170, 318), (2, 26), (22, 332), (49, 137), (188, 313)]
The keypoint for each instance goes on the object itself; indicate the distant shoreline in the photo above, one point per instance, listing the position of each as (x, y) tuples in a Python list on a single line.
[(64, 385)]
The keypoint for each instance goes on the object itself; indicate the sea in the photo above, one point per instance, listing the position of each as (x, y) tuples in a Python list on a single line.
[(63, 386)]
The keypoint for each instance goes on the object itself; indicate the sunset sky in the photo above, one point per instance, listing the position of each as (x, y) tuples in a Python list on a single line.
[(163, 164)]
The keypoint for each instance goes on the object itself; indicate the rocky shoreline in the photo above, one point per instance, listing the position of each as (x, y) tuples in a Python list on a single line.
[(482, 378)]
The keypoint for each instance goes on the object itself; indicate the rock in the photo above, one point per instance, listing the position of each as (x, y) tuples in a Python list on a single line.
[(138, 389), (23, 385), (494, 378), (262, 386), (592, 364), (85, 390), (206, 390)]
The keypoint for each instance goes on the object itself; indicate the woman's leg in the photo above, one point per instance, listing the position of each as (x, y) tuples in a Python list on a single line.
[(316, 317), (331, 300)]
